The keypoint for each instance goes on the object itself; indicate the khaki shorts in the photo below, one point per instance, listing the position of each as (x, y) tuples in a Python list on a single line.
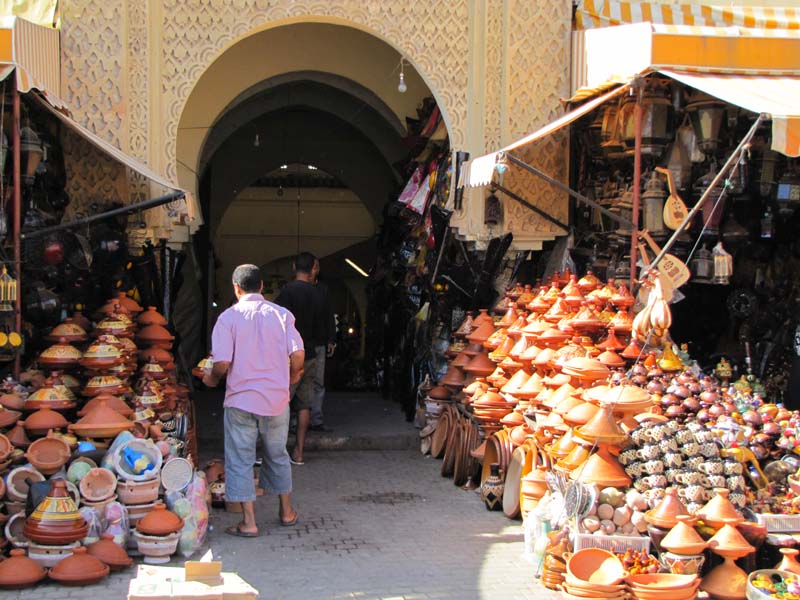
[(302, 392)]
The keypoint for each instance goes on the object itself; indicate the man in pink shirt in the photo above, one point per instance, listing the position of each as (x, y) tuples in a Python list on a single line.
[(257, 347)]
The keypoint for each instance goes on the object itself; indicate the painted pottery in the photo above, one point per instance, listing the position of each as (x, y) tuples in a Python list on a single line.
[(69, 331), (60, 354), (19, 571), (492, 489), (51, 396), (109, 552), (105, 383), (102, 354), (160, 522), (682, 564), (79, 569), (56, 519)]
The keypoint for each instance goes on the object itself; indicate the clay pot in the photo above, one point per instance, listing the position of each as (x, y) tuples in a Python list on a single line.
[(160, 521), (719, 510), (48, 454), (109, 552), (19, 571), (729, 542), (665, 513), (79, 569), (114, 326), (101, 422), (152, 317), (102, 354), (69, 330), (156, 548), (156, 335), (56, 520), (789, 562), (12, 401), (52, 394), (602, 469), (127, 303), (113, 402), (103, 384), (138, 492), (17, 436), (683, 538), (596, 566), (60, 354), (16, 487), (98, 485), (44, 420), (453, 378), (8, 417)]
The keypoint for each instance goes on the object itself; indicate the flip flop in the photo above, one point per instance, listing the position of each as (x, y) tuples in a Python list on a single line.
[(292, 522), (234, 530), (296, 462)]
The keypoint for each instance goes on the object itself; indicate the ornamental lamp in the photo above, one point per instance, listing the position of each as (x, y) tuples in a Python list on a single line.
[(31, 152), (706, 114), (653, 204), (657, 118), (723, 265)]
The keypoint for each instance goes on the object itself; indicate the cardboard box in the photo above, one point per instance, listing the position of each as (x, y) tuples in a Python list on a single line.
[(189, 583)]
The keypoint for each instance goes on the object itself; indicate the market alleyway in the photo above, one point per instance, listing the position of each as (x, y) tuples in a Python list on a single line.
[(374, 524)]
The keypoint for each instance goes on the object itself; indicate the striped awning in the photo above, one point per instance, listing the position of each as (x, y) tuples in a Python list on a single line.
[(602, 13)]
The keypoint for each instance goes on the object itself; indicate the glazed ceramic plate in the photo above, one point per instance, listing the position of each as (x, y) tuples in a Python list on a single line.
[(511, 497)]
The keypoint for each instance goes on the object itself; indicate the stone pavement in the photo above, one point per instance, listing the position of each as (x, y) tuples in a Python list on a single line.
[(373, 525)]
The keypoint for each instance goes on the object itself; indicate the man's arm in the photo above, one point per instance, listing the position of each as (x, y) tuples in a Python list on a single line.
[(296, 360), (218, 372)]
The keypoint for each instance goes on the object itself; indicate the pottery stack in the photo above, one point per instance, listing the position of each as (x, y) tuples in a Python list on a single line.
[(95, 423)]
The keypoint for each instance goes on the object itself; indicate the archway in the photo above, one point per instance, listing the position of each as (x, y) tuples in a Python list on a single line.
[(325, 98)]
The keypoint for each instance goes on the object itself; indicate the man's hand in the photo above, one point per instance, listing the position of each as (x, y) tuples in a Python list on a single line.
[(210, 381), (296, 376), (331, 349)]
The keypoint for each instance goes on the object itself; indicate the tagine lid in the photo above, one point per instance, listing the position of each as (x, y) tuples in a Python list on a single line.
[(20, 571), (719, 509), (729, 540), (50, 394), (602, 469), (602, 428), (101, 415), (60, 352), (683, 537), (8, 417), (159, 521), (114, 325), (56, 520), (109, 552), (128, 303), (103, 348), (45, 418), (69, 331), (626, 394), (79, 566), (665, 513)]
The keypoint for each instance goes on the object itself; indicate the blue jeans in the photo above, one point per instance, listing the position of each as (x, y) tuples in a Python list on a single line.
[(242, 429), (319, 385)]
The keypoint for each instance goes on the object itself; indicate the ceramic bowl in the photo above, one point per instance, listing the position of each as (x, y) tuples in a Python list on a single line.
[(97, 485), (596, 566), (661, 581)]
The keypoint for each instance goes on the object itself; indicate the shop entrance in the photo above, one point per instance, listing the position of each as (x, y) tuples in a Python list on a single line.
[(311, 144)]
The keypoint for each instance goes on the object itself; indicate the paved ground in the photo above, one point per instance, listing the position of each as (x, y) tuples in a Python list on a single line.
[(374, 525)]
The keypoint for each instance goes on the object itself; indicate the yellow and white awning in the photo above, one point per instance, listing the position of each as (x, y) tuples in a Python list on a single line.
[(32, 53), (605, 13)]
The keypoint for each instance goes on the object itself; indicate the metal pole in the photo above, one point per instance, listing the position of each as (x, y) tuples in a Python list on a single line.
[(562, 187), (123, 210), (728, 164), (17, 181), (637, 178), (530, 206)]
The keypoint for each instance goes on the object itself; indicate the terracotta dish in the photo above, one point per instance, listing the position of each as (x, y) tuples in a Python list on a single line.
[(101, 422), (43, 420), (48, 454), (19, 571), (594, 565), (160, 521), (97, 485)]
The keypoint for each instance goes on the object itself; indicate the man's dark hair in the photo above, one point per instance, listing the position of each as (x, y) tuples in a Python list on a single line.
[(247, 277), (304, 262)]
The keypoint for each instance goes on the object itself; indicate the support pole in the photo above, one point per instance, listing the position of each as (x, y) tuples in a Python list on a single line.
[(17, 181), (637, 178), (696, 208)]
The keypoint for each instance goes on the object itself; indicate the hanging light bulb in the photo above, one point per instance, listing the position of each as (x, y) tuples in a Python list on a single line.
[(257, 141), (401, 85)]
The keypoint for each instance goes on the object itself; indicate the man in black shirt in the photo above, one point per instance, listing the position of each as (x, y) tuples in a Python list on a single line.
[(303, 300)]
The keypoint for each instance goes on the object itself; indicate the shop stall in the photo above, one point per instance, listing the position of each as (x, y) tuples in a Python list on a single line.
[(645, 464), (97, 432)]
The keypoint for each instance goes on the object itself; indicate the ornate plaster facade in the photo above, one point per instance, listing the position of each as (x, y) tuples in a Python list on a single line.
[(497, 68)]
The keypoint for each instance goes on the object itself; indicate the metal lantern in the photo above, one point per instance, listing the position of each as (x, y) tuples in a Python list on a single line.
[(706, 114), (492, 211), (610, 134), (723, 265), (767, 178), (702, 266), (657, 118), (653, 203), (31, 151), (8, 290), (712, 210)]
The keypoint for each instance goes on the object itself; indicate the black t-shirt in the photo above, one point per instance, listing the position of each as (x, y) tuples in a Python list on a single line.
[(305, 301)]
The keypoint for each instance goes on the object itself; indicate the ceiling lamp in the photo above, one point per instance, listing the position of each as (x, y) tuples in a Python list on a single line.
[(401, 85)]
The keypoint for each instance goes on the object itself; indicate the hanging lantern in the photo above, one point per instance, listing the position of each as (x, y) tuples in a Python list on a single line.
[(788, 194), (767, 177), (657, 116), (723, 265), (706, 114), (595, 135), (702, 266), (8, 290), (712, 211), (31, 152), (492, 211), (610, 134), (653, 203)]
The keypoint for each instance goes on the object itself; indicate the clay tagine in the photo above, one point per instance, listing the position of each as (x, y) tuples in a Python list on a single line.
[(114, 402), (151, 317), (101, 422), (51, 396), (56, 521), (17, 436), (665, 514), (719, 510), (69, 331), (109, 552), (48, 454), (683, 538), (60, 354), (159, 521), (102, 354), (155, 335), (44, 420), (79, 569), (8, 417), (19, 571)]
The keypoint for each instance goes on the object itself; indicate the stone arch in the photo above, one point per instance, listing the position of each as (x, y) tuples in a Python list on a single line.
[(430, 36)]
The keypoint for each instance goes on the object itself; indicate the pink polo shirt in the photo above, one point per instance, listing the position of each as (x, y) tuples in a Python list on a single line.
[(256, 337)]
